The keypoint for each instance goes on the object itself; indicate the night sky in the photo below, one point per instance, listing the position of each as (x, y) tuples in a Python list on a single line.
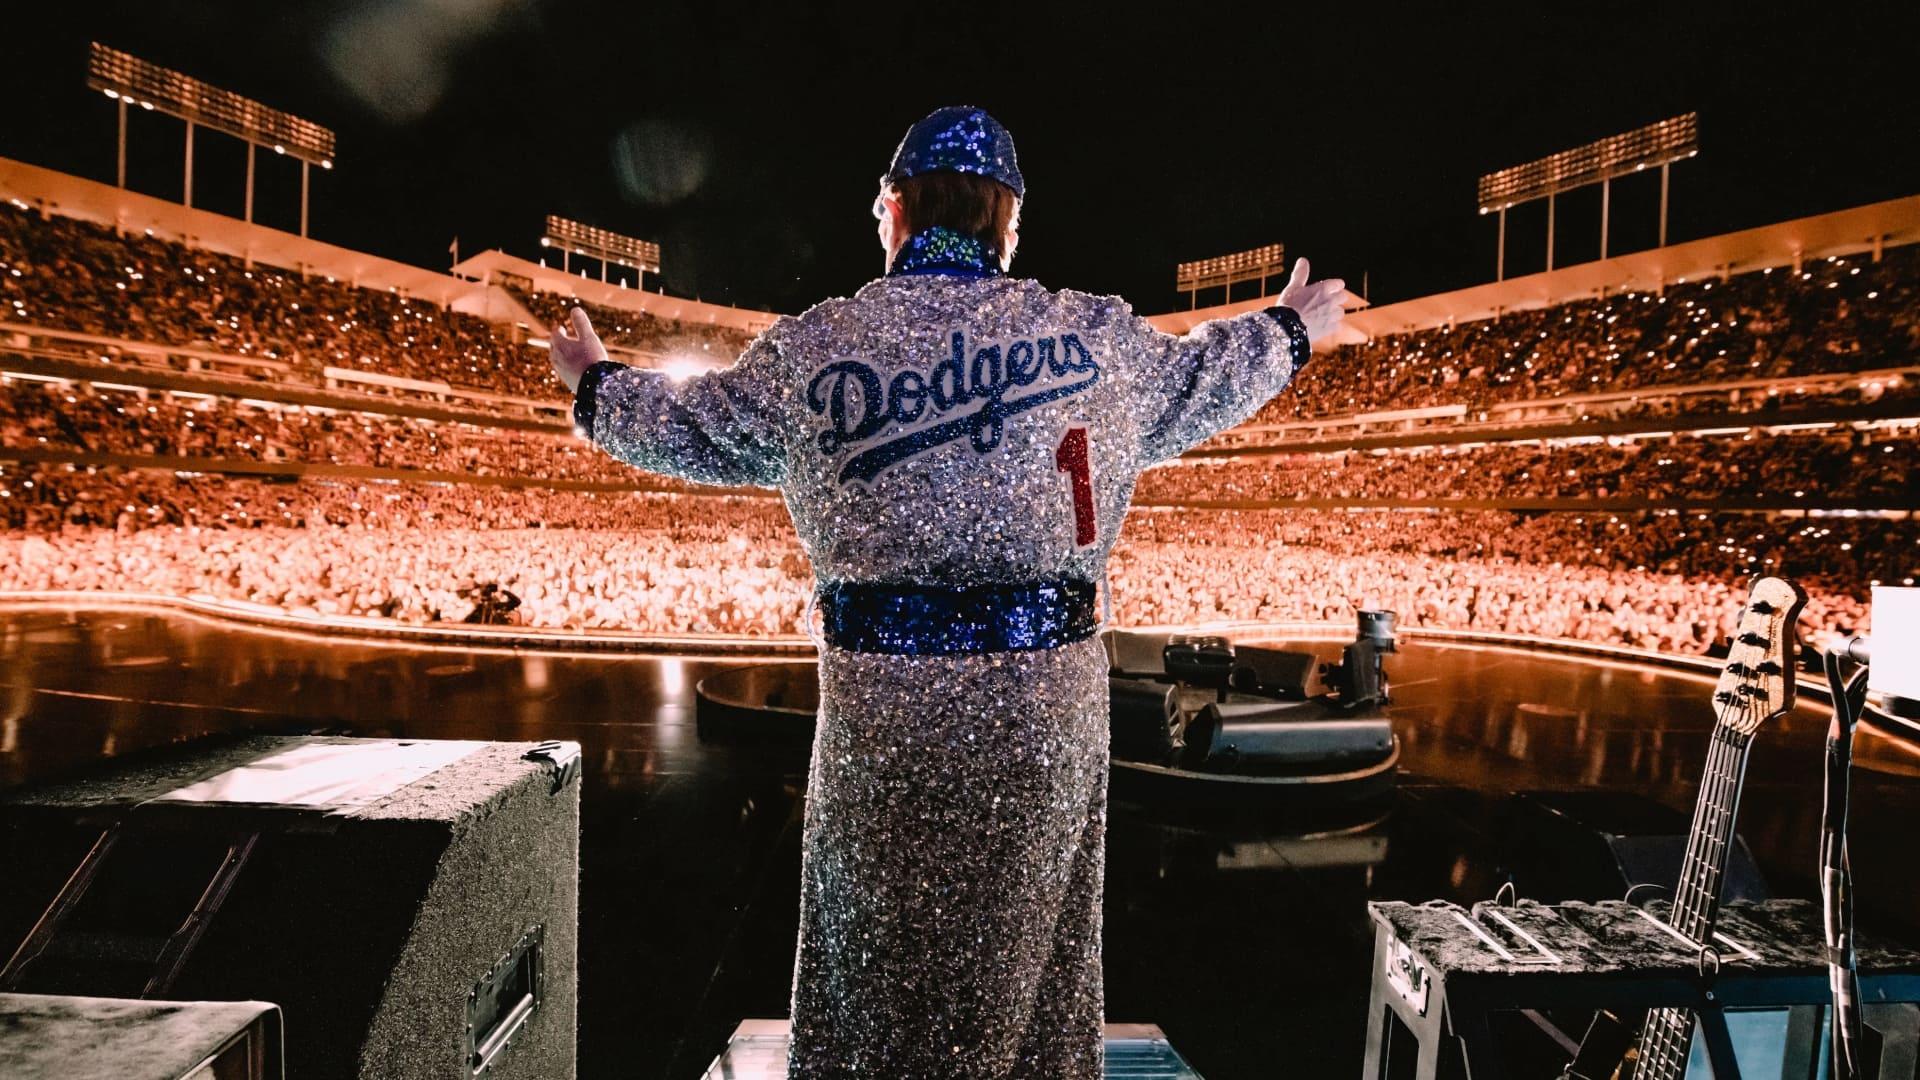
[(747, 139)]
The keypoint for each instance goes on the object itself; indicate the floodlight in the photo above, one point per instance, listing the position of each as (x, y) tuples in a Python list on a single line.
[(124, 76), (1659, 143)]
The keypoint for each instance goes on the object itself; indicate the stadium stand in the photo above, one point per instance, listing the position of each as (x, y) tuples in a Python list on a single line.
[(379, 454), (79, 276), (1836, 315)]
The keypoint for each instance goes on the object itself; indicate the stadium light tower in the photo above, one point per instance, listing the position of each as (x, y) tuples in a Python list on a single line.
[(129, 80), (573, 237), (1261, 262), (1662, 144)]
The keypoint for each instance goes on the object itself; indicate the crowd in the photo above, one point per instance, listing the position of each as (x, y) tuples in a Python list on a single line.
[(1835, 466), (641, 332), (1662, 579), (664, 562), (412, 552), (1677, 408), (1834, 315), (74, 275), (67, 274), (669, 560), (107, 420), (1832, 466)]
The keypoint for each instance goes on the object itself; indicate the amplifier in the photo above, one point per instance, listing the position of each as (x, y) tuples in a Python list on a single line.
[(44, 1037), (411, 905), (1281, 672)]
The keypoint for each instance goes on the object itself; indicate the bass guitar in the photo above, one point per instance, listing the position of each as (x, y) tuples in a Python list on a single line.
[(1755, 686)]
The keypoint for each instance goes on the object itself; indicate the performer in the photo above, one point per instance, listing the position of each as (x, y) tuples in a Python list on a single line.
[(957, 448)]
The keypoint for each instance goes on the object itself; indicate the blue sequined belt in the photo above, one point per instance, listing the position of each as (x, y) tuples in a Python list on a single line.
[(943, 620)]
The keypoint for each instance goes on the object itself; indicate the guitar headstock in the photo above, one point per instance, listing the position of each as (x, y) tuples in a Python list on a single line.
[(1757, 683)]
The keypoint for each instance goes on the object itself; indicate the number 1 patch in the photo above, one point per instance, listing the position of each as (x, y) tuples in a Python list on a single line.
[(1071, 458)]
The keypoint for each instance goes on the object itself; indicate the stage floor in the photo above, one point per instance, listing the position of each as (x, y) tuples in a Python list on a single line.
[(1246, 943)]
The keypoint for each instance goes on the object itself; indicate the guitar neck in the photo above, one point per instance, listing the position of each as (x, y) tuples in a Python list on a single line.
[(1756, 685), (1696, 898)]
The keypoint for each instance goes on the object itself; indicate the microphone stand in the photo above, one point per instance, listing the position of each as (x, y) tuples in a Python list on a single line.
[(1836, 877)]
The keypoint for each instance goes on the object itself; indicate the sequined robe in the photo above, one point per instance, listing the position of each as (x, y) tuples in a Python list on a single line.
[(924, 430)]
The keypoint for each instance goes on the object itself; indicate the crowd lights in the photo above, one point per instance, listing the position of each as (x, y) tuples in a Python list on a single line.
[(122, 76), (1661, 143), (603, 244)]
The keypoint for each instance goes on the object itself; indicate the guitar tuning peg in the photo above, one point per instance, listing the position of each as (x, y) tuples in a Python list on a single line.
[(1751, 638), (1763, 608), (1723, 697), (1767, 667)]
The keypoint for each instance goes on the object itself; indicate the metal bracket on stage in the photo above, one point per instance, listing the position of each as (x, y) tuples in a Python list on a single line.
[(1541, 954), (1443, 975), (1702, 950)]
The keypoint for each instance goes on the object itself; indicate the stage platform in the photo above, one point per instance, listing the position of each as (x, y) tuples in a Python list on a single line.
[(690, 849), (758, 1051)]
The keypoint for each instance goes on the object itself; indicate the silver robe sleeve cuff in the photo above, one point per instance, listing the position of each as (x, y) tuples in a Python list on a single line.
[(583, 395), (1297, 341)]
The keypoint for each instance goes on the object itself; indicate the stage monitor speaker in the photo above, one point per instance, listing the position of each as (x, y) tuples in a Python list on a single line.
[(1142, 718), (45, 1037), (411, 905), (1283, 735), (1281, 672)]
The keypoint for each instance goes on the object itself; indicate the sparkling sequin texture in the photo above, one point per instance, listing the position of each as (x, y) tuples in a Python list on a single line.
[(959, 138), (954, 839), (941, 250), (939, 620)]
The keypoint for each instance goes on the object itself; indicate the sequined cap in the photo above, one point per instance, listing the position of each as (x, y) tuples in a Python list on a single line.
[(958, 138)]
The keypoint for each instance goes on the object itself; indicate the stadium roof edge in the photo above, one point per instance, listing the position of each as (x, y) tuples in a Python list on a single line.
[(491, 265), (1843, 232)]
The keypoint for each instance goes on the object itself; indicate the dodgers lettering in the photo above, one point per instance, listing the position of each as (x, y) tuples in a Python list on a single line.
[(859, 404)]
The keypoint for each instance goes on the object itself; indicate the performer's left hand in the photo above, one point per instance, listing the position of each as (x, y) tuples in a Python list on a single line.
[(572, 354), (1320, 305)]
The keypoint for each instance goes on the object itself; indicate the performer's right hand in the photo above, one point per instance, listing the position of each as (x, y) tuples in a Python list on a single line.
[(574, 354), (1319, 305)]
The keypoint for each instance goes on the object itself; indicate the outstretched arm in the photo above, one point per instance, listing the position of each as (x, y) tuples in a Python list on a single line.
[(718, 427), (1218, 374)]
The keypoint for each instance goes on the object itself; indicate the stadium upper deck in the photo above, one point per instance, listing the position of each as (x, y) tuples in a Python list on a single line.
[(1817, 314)]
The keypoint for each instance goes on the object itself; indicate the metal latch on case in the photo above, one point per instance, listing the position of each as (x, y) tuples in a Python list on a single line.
[(563, 756)]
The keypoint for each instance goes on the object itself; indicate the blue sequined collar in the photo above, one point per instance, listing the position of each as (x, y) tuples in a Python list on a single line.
[(940, 250)]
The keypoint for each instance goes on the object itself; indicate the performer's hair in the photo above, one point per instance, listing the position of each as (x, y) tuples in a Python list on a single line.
[(963, 202)]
